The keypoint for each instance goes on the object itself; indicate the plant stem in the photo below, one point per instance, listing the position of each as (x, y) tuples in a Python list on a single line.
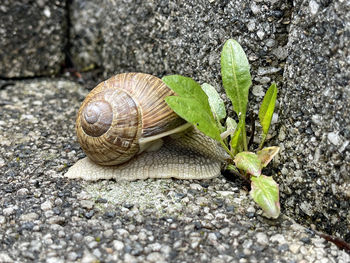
[(244, 177), (226, 149), (262, 141), (251, 139), (244, 133)]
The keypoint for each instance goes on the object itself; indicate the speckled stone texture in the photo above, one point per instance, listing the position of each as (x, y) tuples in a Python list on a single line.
[(32, 37), (315, 119), (86, 23), (45, 217), (186, 37)]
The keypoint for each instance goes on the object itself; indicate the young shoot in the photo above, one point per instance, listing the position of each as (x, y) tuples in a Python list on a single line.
[(203, 107)]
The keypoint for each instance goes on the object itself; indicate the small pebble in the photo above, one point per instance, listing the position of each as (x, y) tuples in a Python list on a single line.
[(118, 245), (155, 257), (262, 238), (87, 204), (47, 205), (9, 211)]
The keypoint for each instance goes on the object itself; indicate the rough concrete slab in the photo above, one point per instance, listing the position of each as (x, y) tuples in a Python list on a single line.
[(46, 218)]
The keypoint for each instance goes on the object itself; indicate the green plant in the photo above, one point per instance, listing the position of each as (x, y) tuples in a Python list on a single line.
[(203, 107)]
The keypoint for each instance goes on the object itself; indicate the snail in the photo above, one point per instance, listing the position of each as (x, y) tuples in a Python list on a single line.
[(128, 132)]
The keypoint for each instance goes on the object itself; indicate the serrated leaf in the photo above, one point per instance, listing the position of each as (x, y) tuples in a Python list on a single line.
[(193, 112), (235, 72), (216, 103), (191, 104), (267, 107), (265, 192), (236, 143), (266, 155), (248, 162), (187, 88)]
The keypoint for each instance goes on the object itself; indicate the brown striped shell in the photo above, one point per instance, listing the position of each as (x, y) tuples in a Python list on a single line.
[(120, 111)]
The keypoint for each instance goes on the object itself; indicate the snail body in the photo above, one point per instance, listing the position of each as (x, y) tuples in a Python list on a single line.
[(129, 132)]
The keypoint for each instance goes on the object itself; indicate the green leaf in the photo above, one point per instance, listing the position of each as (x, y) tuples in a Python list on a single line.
[(248, 162), (216, 103), (237, 140), (193, 112), (187, 88), (265, 192), (267, 107), (231, 125), (235, 72), (191, 104), (266, 155)]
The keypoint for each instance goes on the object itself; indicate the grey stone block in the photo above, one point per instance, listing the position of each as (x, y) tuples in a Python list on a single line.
[(186, 37), (315, 119), (32, 37), (87, 20)]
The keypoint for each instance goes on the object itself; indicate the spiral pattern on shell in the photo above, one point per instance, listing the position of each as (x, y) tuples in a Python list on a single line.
[(118, 112)]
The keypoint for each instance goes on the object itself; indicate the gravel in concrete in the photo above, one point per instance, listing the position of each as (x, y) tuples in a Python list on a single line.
[(33, 36), (47, 218)]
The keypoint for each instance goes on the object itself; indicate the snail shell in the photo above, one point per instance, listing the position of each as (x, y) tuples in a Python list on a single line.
[(120, 112)]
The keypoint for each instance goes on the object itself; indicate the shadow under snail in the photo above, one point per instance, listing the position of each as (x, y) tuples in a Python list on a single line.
[(128, 132)]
